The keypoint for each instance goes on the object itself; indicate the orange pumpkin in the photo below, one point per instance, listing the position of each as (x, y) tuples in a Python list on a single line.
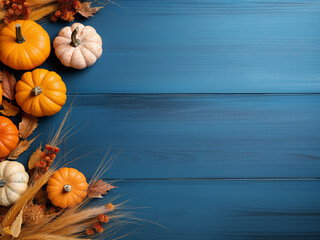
[(1, 92), (41, 93), (9, 136), (24, 45), (66, 187)]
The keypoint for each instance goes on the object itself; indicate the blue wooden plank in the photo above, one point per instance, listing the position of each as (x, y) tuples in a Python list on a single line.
[(196, 136), (224, 210), (209, 46)]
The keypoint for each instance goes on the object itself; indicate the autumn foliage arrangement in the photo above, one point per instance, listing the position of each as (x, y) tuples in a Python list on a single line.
[(48, 200), (56, 203), (66, 10)]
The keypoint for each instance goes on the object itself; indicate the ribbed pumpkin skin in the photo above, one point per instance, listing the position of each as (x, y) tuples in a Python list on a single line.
[(28, 55), (82, 56), (52, 98), (56, 184), (16, 182), (1, 92), (9, 136)]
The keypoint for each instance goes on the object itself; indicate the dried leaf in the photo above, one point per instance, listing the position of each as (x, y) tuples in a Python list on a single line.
[(86, 10), (9, 109), (27, 126), (98, 188), (16, 225), (34, 158), (8, 84), (22, 146)]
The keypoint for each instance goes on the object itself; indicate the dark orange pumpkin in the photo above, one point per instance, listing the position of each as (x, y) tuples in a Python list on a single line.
[(1, 92), (9, 136)]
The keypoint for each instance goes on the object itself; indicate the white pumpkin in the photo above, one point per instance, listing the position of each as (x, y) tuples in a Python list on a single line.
[(13, 182), (78, 46)]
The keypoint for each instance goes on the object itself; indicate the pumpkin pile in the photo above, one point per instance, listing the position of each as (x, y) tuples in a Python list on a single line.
[(25, 45), (49, 202)]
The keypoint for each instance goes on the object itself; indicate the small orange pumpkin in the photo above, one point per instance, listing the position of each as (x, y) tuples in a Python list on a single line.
[(9, 136), (66, 187), (41, 93), (24, 45)]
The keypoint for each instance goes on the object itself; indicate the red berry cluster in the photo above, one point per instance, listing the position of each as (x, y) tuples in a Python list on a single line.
[(16, 8), (46, 159), (102, 218), (67, 10)]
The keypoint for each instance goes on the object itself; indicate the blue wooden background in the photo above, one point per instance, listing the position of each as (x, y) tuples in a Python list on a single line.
[(214, 105)]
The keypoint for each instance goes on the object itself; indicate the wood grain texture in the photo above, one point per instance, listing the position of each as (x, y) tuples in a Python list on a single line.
[(208, 46), (196, 135), (224, 210)]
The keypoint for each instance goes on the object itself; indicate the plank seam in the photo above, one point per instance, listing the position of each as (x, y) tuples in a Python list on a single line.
[(210, 179), (125, 93)]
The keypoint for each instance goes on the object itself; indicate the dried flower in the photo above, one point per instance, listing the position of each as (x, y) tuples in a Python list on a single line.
[(33, 214), (67, 10), (16, 8)]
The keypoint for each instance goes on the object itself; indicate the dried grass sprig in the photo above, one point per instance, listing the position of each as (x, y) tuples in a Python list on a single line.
[(43, 12), (40, 3), (48, 237)]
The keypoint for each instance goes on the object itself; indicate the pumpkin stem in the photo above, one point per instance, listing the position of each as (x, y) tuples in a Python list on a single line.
[(37, 91), (19, 38), (67, 188), (74, 41), (2, 183)]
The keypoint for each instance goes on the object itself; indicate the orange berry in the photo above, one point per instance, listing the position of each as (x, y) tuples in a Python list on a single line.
[(90, 231), (56, 150), (110, 207), (103, 218), (97, 226), (49, 148), (38, 164)]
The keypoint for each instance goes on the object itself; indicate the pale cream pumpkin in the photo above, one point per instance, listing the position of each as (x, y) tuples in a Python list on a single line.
[(13, 182), (78, 46)]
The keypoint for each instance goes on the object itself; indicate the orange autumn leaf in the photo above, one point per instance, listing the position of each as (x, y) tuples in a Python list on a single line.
[(34, 158), (99, 188), (27, 126), (86, 10), (22, 146), (8, 84), (9, 109)]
